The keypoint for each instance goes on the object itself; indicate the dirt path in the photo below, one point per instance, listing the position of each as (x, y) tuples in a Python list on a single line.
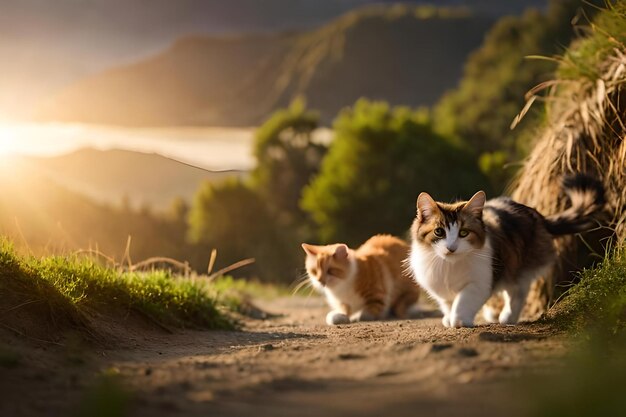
[(295, 365)]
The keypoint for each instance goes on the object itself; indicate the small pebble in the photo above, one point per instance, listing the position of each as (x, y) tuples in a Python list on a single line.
[(350, 356), (440, 347), (265, 348), (468, 352)]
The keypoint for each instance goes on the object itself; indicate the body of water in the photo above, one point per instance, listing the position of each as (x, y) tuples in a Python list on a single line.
[(208, 147)]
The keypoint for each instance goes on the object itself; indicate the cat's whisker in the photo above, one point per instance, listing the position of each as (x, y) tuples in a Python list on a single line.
[(302, 284)]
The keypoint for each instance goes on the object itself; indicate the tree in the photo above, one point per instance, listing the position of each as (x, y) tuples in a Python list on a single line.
[(178, 210), (379, 161), (287, 158), (496, 78), (234, 219)]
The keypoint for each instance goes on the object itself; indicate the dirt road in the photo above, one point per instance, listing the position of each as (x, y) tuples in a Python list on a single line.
[(294, 364)]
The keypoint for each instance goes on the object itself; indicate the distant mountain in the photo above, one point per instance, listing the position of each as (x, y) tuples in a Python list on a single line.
[(116, 175), (404, 54), (46, 45)]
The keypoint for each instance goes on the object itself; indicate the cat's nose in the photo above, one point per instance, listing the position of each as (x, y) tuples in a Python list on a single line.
[(451, 249)]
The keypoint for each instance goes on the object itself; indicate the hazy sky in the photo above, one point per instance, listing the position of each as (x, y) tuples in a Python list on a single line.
[(46, 44)]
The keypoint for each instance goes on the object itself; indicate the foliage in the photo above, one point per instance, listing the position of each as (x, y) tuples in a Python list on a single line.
[(287, 158), (233, 218), (72, 287), (599, 299), (584, 132), (593, 376), (586, 59), (496, 78), (378, 162)]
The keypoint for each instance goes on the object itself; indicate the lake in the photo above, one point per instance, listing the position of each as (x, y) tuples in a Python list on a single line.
[(208, 147)]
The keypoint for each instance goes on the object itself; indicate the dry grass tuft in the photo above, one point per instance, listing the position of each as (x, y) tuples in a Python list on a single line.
[(585, 132)]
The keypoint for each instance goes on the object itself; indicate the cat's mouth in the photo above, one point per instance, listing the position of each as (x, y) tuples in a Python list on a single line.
[(450, 256)]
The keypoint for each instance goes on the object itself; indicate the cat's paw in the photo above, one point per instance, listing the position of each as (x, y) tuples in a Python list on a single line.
[(507, 318), (364, 315), (334, 318), (458, 321), (446, 320)]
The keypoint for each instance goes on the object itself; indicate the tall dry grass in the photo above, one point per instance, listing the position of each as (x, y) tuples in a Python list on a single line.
[(585, 131)]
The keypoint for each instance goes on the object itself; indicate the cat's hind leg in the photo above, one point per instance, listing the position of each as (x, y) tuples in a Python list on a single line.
[(403, 303), (490, 314), (492, 308), (514, 301), (374, 309)]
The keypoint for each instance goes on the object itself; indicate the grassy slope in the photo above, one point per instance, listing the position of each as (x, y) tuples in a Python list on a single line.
[(68, 293), (599, 300), (592, 379)]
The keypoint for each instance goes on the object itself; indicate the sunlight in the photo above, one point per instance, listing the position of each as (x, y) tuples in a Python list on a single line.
[(7, 140)]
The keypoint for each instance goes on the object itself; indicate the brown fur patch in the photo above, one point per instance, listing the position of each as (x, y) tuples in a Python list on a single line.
[(442, 215)]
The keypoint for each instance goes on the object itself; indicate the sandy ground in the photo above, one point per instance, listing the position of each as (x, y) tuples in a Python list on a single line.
[(293, 364)]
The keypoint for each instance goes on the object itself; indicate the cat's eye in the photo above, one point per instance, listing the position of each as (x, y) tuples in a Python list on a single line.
[(439, 232), (463, 233), (334, 272)]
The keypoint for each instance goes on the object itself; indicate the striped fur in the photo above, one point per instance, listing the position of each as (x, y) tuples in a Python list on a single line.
[(464, 252), (368, 283)]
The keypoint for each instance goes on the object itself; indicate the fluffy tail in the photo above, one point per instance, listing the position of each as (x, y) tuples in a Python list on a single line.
[(586, 194)]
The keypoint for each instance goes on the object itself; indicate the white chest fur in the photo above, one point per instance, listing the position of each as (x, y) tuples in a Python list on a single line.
[(445, 279)]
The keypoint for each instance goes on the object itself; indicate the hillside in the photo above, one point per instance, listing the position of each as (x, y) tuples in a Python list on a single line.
[(115, 175), (43, 217), (403, 54)]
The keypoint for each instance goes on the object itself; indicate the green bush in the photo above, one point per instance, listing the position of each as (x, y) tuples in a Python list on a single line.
[(379, 161), (234, 219), (498, 75)]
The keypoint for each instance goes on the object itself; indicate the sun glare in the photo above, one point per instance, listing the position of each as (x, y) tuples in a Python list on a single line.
[(7, 140)]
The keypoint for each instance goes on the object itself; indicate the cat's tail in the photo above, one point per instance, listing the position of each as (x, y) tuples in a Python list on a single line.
[(586, 195)]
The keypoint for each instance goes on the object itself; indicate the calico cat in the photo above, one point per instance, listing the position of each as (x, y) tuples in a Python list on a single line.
[(462, 253), (368, 283)]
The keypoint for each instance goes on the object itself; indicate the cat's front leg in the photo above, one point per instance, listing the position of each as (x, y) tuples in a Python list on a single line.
[(339, 315), (444, 306), (467, 303), (335, 317)]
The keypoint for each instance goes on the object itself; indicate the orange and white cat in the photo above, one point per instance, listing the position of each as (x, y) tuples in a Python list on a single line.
[(369, 283)]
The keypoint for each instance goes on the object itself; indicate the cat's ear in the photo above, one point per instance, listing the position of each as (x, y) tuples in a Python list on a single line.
[(341, 252), (426, 207), (309, 249), (476, 203)]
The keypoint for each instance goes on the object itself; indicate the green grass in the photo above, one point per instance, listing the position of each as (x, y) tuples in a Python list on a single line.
[(69, 290), (598, 300), (593, 376), (586, 58)]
